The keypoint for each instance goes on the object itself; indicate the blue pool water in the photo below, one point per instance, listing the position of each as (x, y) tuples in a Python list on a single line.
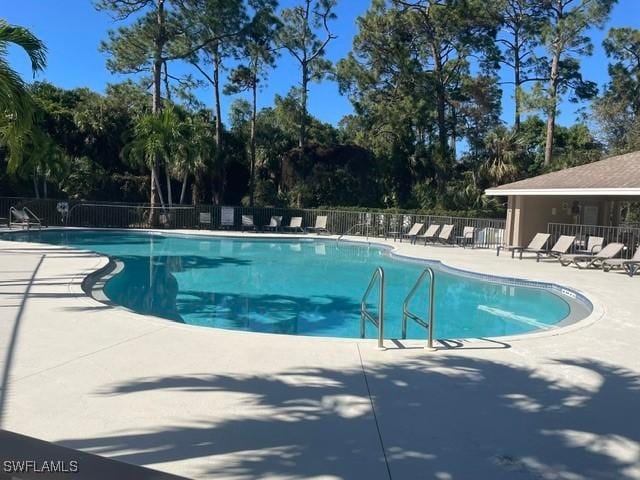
[(302, 287)]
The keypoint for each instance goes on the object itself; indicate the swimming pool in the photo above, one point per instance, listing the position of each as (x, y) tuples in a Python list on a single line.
[(302, 286)]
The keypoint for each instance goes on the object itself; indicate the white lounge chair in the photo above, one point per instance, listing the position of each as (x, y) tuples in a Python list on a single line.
[(24, 217), (295, 224), (468, 236), (537, 243), (413, 232), (431, 234), (227, 217), (320, 226), (607, 253), (274, 223), (247, 223), (204, 219), (629, 265), (561, 247), (445, 234)]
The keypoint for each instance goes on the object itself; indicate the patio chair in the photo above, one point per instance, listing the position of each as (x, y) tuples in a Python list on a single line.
[(295, 224), (413, 232), (24, 217), (204, 219), (274, 223), (247, 223), (320, 226), (596, 260), (537, 243), (468, 236), (431, 234), (629, 265), (594, 245), (561, 247), (446, 234), (227, 217)]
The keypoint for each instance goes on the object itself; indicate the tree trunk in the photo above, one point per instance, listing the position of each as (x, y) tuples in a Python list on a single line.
[(517, 81), (219, 164), (553, 105), (303, 104), (441, 101), (183, 192), (45, 192), (169, 192), (156, 105), (253, 143), (157, 182), (35, 185)]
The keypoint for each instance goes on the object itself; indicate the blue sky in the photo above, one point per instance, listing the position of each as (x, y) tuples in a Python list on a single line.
[(73, 29)]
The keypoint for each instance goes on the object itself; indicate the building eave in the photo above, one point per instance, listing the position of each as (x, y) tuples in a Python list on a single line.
[(609, 192)]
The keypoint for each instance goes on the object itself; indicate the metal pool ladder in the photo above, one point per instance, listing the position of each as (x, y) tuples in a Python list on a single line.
[(376, 277), (407, 314)]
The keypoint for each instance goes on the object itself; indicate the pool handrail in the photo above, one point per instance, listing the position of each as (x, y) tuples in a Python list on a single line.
[(363, 224), (378, 275), (429, 324)]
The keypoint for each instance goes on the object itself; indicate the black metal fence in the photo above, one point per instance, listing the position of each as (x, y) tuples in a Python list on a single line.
[(628, 235), (488, 232)]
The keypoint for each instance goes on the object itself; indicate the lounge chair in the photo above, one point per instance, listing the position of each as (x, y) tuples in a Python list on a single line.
[(413, 232), (430, 234), (468, 236), (536, 244), (247, 223), (607, 253), (274, 223), (227, 217), (561, 247), (204, 219), (594, 245), (445, 234), (295, 224), (629, 265), (320, 226), (24, 217)]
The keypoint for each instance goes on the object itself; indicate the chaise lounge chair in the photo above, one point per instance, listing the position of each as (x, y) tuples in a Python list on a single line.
[(446, 234), (274, 223), (295, 224), (629, 265), (536, 244), (468, 236), (321, 225), (247, 223), (561, 247), (412, 234), (607, 253), (431, 234), (594, 245)]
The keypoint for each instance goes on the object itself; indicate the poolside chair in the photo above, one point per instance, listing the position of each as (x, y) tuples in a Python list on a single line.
[(320, 226), (594, 245), (629, 265), (204, 219), (295, 224), (445, 234), (596, 260), (413, 232), (536, 244), (227, 217), (561, 247), (24, 217), (247, 223), (274, 223), (431, 234), (468, 236)]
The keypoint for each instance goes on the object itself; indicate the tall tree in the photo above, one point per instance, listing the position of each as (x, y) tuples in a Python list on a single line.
[(305, 34), (16, 105), (564, 38), (259, 56), (618, 109), (521, 22)]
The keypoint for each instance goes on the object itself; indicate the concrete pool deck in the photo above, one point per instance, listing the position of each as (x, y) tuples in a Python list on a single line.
[(208, 403)]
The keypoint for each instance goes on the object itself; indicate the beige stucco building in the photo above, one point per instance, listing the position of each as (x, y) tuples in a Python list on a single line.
[(590, 194)]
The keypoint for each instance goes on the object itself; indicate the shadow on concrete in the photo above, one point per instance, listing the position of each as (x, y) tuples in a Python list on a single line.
[(13, 340), (443, 417)]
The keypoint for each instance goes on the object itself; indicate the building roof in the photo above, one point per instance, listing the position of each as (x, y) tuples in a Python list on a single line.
[(619, 175)]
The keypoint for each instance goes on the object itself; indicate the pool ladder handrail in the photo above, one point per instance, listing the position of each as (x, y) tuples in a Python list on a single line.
[(429, 324), (376, 277), (365, 224)]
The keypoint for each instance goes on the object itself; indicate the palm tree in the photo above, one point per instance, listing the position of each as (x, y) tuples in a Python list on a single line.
[(503, 148), (16, 106), (193, 151)]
